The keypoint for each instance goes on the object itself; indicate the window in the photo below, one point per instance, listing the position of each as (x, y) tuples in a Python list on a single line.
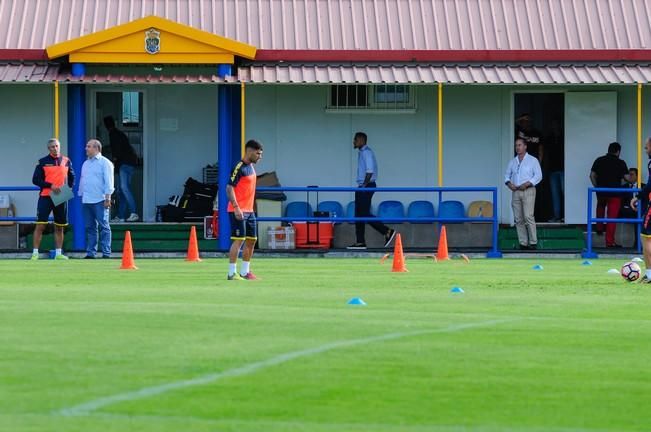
[(347, 98), (391, 94), (130, 108)]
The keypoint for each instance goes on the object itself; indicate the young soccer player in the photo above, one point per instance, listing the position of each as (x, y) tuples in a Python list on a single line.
[(241, 197)]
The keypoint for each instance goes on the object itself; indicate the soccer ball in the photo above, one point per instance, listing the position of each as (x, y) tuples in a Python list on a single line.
[(631, 271)]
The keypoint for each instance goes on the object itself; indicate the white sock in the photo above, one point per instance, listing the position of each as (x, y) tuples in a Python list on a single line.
[(245, 268), (35, 251), (648, 273), (232, 268), (57, 251)]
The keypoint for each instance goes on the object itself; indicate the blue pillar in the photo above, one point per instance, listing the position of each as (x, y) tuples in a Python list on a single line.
[(224, 70), (77, 154), (78, 69), (224, 157), (228, 147)]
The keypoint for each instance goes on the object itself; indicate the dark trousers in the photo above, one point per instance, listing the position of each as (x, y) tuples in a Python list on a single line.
[(363, 209), (608, 205)]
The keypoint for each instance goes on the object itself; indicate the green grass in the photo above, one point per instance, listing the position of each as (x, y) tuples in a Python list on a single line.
[(562, 349)]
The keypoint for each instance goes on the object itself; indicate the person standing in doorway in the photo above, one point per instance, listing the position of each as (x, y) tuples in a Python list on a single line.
[(95, 189), (367, 172), (522, 175), (240, 191), (556, 166), (524, 129), (609, 171), (644, 199), (125, 160), (52, 172), (532, 138)]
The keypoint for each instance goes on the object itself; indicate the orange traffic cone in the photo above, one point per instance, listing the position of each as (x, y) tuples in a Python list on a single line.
[(127, 254), (398, 256), (442, 252), (193, 249)]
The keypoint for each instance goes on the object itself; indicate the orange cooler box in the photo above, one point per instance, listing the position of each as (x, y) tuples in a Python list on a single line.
[(324, 240)]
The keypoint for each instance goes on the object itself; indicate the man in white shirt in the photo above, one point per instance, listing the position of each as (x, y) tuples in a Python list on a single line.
[(95, 188), (522, 176)]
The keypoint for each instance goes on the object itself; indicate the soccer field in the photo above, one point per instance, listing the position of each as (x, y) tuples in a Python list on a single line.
[(176, 347)]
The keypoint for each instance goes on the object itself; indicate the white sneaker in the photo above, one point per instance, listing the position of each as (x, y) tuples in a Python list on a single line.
[(133, 217), (117, 219)]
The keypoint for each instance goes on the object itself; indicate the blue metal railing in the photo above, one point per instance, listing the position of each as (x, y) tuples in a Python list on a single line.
[(494, 252), (18, 189), (589, 253)]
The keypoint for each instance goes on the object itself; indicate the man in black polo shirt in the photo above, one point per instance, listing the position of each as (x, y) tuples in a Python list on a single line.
[(608, 171)]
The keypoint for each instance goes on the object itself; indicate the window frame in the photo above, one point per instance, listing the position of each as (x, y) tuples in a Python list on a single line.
[(408, 106)]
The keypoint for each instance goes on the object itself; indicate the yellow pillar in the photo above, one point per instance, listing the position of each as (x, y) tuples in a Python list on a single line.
[(56, 109), (243, 117), (639, 134), (440, 133)]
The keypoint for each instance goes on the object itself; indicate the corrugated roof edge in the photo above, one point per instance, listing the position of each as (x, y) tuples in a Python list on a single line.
[(416, 56)]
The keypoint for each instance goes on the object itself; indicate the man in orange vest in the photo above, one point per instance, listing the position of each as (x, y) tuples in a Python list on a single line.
[(50, 174)]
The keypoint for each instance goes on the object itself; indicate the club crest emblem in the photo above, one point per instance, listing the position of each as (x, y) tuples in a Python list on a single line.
[(152, 41)]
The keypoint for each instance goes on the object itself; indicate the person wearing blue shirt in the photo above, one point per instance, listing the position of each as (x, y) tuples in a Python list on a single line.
[(95, 188), (367, 171)]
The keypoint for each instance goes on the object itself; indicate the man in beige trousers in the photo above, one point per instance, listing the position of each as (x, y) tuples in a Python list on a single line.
[(522, 176)]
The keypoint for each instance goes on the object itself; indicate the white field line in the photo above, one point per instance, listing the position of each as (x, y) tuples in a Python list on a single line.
[(250, 368)]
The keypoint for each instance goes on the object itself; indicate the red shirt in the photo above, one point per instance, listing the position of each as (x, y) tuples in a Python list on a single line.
[(243, 179)]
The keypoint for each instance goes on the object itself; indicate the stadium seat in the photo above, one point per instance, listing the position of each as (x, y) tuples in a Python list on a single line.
[(420, 209), (391, 210), (480, 209), (451, 209), (350, 210), (333, 207), (298, 209)]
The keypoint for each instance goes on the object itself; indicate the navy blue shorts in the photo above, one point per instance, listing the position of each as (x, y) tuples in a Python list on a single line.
[(45, 206), (247, 228)]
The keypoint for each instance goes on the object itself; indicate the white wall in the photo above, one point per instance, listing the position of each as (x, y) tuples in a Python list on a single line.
[(26, 123), (307, 146), (303, 143), (473, 139), (175, 155)]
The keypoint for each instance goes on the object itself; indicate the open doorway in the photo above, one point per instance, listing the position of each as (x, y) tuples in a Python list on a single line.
[(540, 120), (125, 108)]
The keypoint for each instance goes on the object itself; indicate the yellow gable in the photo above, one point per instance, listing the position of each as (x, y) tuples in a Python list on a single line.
[(152, 40)]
